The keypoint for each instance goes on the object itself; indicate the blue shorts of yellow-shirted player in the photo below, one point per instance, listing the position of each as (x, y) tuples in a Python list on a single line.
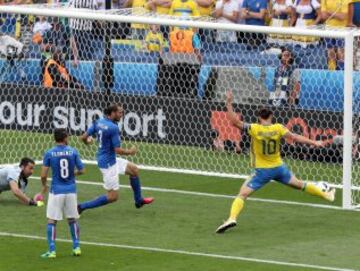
[(111, 174), (261, 176)]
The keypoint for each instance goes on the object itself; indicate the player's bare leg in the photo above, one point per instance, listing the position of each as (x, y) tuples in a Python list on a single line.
[(112, 196)]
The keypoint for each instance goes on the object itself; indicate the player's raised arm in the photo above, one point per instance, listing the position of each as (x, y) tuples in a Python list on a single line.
[(304, 140), (230, 111)]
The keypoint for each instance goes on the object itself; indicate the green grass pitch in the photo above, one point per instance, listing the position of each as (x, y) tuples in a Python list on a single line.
[(279, 236)]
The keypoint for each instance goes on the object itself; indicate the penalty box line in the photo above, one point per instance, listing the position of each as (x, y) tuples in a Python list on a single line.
[(181, 252)]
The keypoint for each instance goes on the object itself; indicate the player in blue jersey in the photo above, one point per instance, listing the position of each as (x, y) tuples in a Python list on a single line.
[(15, 178), (107, 133), (65, 164)]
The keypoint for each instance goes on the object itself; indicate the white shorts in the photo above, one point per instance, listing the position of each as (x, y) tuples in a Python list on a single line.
[(60, 204), (111, 174)]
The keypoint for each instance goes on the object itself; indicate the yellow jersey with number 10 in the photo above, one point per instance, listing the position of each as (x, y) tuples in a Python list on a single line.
[(265, 144)]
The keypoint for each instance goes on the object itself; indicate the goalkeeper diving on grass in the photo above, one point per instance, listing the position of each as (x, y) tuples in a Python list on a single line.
[(15, 178), (266, 160)]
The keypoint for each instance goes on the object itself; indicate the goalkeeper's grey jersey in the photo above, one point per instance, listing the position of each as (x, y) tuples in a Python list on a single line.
[(8, 174)]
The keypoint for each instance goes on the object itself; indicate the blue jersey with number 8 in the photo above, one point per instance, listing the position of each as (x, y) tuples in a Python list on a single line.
[(63, 160), (108, 136)]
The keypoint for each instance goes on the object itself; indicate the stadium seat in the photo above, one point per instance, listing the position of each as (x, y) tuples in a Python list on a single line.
[(136, 79), (223, 47), (8, 24), (136, 57), (315, 58), (33, 51), (323, 89), (241, 59), (320, 89)]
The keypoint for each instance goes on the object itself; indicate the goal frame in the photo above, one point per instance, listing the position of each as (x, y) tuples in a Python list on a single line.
[(347, 34)]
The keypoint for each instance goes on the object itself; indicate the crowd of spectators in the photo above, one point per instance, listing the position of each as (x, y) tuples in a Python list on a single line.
[(283, 13), (74, 38)]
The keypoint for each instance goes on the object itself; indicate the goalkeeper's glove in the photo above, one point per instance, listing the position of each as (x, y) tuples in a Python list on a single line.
[(36, 203)]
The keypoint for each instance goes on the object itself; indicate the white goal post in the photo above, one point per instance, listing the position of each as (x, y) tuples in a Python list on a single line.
[(165, 143)]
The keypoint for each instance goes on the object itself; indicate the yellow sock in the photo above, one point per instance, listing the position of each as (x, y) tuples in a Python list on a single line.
[(236, 208), (332, 64), (312, 189)]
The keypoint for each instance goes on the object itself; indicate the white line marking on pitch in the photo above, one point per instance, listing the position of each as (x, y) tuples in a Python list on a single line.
[(183, 252), (184, 192)]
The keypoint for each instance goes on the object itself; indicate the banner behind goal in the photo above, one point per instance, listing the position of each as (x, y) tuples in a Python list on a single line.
[(62, 68)]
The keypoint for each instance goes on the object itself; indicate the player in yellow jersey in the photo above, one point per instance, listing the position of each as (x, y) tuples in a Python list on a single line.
[(267, 162)]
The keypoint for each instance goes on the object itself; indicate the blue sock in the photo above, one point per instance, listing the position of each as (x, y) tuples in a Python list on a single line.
[(100, 201), (51, 236), (340, 65), (75, 233), (136, 187)]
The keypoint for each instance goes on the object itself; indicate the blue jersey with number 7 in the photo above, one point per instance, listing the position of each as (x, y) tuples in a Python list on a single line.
[(108, 136), (63, 160)]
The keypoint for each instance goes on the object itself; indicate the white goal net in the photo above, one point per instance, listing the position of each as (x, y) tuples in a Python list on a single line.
[(60, 66)]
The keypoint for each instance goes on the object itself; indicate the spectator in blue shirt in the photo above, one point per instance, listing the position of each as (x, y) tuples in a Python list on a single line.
[(254, 13), (354, 13)]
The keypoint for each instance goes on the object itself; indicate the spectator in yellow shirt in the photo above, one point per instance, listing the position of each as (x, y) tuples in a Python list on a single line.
[(161, 7), (334, 14), (184, 9), (154, 40), (138, 31), (206, 7)]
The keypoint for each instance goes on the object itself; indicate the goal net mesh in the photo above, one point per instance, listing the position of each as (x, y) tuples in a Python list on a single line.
[(171, 80)]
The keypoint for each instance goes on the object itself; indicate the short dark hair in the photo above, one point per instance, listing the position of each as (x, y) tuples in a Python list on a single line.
[(111, 108), (60, 135), (264, 113), (286, 49), (25, 161)]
